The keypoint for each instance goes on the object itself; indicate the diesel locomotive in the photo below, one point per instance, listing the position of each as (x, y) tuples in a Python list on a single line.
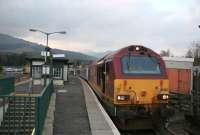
[(132, 84)]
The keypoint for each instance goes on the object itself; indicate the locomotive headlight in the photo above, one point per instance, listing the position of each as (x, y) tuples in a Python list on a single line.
[(163, 96), (137, 48), (122, 97)]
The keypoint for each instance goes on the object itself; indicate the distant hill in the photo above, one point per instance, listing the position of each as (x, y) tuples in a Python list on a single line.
[(15, 45)]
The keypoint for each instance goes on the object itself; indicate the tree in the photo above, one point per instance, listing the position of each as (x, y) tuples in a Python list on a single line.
[(189, 54), (166, 53), (12, 59), (194, 52)]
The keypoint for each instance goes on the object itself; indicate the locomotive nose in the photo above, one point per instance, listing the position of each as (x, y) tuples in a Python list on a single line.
[(140, 91)]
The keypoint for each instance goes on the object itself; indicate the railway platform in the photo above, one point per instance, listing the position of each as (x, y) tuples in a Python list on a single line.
[(78, 112)]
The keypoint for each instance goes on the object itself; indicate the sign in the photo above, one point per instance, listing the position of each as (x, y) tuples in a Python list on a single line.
[(58, 55), (37, 63), (45, 70), (45, 53)]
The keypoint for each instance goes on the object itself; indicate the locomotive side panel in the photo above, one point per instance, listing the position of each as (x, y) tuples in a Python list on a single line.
[(102, 80), (109, 82)]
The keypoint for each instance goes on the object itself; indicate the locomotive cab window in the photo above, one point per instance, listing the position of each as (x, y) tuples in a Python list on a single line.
[(140, 65)]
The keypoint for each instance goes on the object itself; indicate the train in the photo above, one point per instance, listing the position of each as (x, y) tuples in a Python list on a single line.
[(133, 86)]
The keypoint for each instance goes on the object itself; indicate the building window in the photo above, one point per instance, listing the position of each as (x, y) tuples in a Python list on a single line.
[(36, 71), (57, 72)]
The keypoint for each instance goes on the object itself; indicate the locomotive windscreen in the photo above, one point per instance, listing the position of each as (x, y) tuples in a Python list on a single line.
[(140, 65)]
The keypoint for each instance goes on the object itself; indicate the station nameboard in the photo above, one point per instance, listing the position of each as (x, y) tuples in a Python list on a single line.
[(45, 53), (58, 55)]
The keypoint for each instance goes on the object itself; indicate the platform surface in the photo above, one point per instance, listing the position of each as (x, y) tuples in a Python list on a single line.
[(100, 122), (71, 117), (78, 111)]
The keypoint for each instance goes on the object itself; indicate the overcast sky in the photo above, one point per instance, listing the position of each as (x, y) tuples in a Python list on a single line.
[(101, 25)]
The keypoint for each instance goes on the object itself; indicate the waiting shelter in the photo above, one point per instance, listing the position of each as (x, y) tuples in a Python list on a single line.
[(59, 70)]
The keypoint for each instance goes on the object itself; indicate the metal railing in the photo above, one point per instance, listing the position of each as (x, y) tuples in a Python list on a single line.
[(33, 132), (17, 113), (7, 85), (20, 112), (42, 106), (196, 94)]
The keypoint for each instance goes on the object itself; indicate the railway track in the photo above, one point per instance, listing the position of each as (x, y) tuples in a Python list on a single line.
[(146, 132), (180, 131), (165, 131), (140, 132)]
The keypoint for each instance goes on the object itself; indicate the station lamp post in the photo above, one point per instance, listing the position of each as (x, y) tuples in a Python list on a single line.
[(198, 51), (47, 67)]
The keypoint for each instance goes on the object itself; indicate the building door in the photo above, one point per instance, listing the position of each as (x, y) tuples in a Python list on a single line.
[(65, 74)]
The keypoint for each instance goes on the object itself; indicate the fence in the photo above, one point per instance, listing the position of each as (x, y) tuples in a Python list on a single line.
[(42, 107), (7, 85), (196, 94), (180, 102), (25, 114)]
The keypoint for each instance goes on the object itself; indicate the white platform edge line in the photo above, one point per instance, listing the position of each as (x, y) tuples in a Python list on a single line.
[(107, 118)]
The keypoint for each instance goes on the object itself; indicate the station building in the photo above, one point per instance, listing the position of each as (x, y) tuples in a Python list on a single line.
[(59, 73)]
